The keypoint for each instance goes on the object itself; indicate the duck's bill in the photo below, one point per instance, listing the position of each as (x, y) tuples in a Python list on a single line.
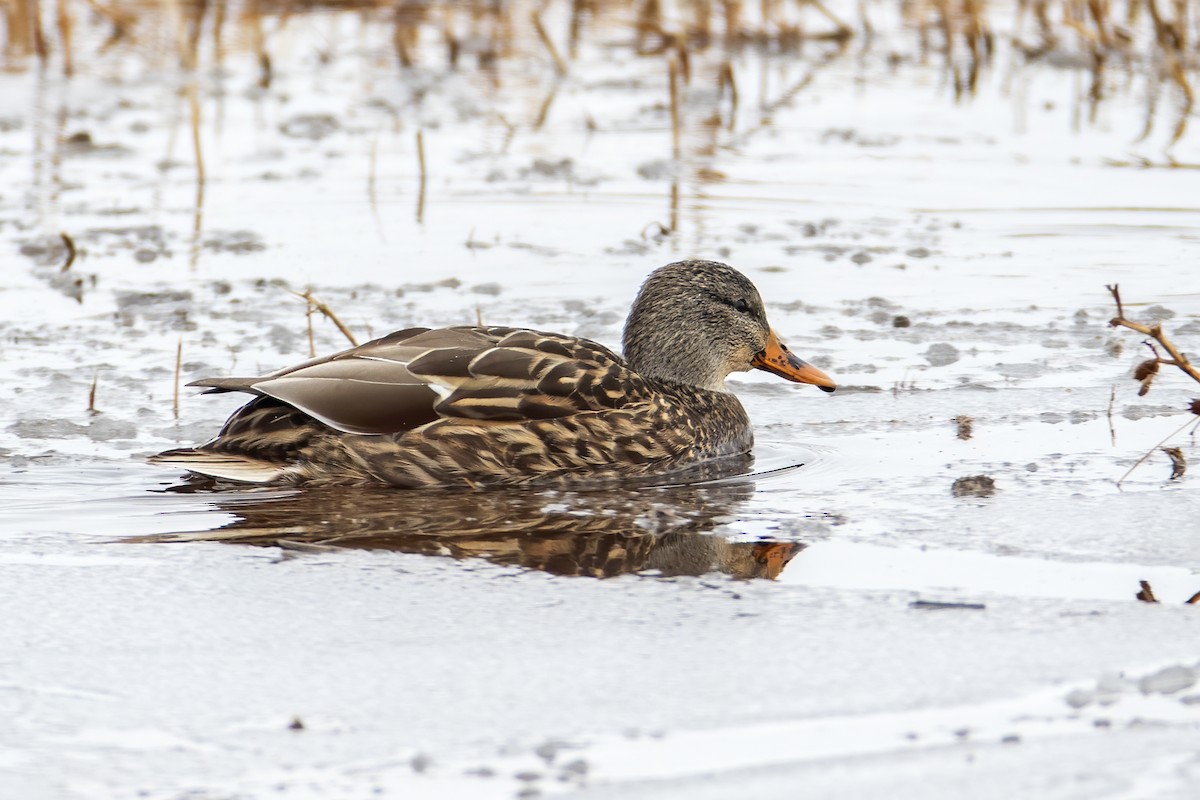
[(777, 359)]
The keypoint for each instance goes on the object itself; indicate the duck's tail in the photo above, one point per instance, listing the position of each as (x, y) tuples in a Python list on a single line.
[(225, 466)]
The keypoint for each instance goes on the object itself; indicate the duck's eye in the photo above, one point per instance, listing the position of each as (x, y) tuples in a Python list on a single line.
[(741, 306)]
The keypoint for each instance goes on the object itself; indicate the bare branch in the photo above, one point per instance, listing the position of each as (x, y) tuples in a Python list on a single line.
[(1155, 332)]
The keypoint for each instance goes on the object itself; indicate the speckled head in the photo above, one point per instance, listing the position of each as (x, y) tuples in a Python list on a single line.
[(694, 322)]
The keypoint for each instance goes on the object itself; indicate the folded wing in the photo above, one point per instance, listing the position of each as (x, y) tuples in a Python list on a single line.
[(416, 376)]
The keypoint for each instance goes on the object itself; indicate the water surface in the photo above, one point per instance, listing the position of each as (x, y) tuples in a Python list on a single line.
[(945, 258)]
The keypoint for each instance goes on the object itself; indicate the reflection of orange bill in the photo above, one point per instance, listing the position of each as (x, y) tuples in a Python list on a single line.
[(776, 358), (774, 556)]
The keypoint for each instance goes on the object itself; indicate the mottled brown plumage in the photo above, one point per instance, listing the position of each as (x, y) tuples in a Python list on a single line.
[(487, 406)]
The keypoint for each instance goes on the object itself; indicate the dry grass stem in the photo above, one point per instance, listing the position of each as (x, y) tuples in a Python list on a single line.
[(544, 108), (1145, 593), (841, 30), (91, 406), (372, 195), (63, 19), (68, 243), (312, 342), (726, 82), (674, 226), (178, 370), (1150, 452), (421, 186), (560, 66), (193, 101), (39, 35), (315, 304), (673, 89)]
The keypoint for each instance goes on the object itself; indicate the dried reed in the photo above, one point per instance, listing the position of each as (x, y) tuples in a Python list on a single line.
[(673, 90), (560, 66), (68, 243), (315, 304), (178, 369), (421, 187)]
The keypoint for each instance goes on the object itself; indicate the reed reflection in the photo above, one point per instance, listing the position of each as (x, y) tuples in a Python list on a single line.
[(596, 534)]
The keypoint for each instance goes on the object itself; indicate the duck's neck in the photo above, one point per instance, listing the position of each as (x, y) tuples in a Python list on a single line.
[(686, 362)]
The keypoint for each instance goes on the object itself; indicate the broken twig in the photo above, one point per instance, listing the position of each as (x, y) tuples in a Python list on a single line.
[(1155, 332), (1145, 373)]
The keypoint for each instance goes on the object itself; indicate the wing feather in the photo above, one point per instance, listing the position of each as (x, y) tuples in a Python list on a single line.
[(413, 377), (528, 375)]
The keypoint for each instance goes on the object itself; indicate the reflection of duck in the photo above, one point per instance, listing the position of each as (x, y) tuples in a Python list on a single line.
[(474, 407), (598, 534)]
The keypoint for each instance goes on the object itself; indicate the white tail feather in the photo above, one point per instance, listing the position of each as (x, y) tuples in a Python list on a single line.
[(222, 465)]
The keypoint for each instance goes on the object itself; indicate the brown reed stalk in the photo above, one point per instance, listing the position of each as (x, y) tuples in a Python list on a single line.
[(63, 19), (673, 89), (726, 82), (198, 151), (38, 34), (122, 22), (701, 31), (421, 187), (1171, 36), (579, 9), (732, 11), (312, 342), (178, 370), (841, 30), (560, 66), (648, 23), (451, 40), (372, 164), (69, 243), (674, 226), (314, 303), (218, 29)]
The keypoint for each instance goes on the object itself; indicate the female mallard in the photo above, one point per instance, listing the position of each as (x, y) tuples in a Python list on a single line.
[(483, 406)]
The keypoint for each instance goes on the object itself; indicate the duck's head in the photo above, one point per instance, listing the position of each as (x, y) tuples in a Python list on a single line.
[(694, 322)]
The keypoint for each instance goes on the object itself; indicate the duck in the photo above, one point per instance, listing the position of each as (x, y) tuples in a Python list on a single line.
[(476, 407)]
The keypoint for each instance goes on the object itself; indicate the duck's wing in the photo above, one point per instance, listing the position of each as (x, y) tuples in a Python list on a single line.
[(530, 375), (366, 389), (415, 376)]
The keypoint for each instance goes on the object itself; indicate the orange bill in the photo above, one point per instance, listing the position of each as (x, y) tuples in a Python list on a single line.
[(776, 358)]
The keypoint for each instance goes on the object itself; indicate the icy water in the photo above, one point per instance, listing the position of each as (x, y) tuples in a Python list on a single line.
[(926, 588)]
